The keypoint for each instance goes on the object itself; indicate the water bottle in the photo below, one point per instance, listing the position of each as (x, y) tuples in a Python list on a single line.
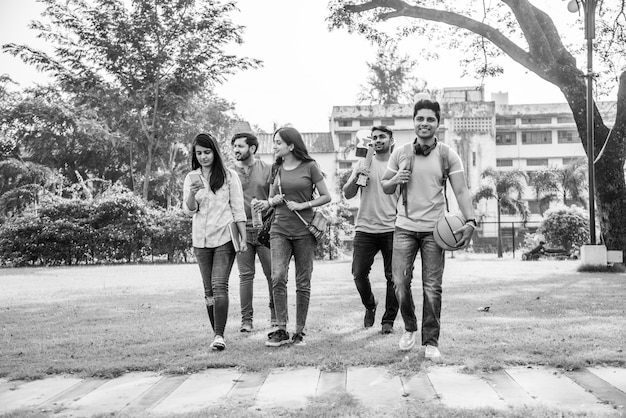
[(257, 216)]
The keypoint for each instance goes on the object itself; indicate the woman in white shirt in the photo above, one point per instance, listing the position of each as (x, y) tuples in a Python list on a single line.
[(212, 194)]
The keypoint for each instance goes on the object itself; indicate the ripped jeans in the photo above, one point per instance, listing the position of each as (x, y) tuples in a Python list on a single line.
[(215, 266), (406, 244)]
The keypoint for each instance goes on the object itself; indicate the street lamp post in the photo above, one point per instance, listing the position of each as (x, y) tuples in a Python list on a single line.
[(589, 9)]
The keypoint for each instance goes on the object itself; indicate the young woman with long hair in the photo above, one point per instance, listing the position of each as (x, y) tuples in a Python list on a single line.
[(296, 177), (212, 194)]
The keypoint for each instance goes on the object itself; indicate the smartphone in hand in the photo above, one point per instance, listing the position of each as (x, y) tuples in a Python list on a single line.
[(196, 178)]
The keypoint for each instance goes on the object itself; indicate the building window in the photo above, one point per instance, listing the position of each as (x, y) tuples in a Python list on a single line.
[(344, 139), (534, 162), (366, 122), (387, 122), (344, 123), (504, 163), (505, 121), (565, 119), (345, 164), (506, 138), (534, 120), (537, 137), (473, 124), (568, 137)]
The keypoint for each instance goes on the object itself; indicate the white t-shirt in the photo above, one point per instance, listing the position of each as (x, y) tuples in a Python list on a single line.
[(377, 211), (425, 200)]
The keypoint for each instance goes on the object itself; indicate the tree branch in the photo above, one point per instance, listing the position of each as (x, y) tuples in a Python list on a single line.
[(453, 19)]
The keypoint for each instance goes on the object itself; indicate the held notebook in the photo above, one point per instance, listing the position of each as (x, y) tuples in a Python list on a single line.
[(234, 236)]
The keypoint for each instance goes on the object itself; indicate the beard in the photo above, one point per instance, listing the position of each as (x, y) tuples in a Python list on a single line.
[(242, 157)]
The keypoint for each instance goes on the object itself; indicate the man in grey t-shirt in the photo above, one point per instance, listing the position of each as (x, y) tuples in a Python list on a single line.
[(421, 173), (254, 174), (375, 223)]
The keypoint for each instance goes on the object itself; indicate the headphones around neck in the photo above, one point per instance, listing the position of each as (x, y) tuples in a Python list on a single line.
[(424, 150)]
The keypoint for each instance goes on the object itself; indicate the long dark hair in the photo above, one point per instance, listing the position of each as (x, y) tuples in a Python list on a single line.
[(291, 136), (218, 171)]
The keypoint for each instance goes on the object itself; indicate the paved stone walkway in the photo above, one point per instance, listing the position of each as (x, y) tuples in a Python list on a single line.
[(597, 390)]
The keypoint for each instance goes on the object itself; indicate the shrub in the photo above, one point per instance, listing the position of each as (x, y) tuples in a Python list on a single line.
[(18, 244), (565, 227), (122, 222), (170, 234), (330, 246)]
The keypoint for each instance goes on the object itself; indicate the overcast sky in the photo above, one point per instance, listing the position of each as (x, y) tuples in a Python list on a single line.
[(307, 69)]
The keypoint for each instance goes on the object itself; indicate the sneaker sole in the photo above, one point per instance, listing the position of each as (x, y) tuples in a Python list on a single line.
[(407, 348), (277, 344), (218, 347)]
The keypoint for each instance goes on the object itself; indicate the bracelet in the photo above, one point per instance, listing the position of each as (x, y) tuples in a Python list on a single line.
[(472, 223), (310, 206)]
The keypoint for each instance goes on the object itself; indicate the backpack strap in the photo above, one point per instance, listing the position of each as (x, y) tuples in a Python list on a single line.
[(408, 154), (444, 153)]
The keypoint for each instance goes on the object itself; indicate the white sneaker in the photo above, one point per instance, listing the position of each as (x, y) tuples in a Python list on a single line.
[(218, 343), (407, 341), (432, 352)]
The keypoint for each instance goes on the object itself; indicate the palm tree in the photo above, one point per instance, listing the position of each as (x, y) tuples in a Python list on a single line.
[(572, 180), (507, 187), (546, 186)]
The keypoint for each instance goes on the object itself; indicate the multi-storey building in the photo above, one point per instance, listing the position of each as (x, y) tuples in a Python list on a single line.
[(485, 134)]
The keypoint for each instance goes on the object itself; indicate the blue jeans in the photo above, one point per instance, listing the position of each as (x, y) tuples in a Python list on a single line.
[(245, 262), (283, 247), (406, 244), (366, 246), (215, 266)]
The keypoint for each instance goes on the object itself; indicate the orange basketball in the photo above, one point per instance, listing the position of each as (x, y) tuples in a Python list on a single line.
[(443, 233)]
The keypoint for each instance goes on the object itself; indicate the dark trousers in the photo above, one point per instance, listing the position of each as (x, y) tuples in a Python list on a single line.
[(366, 246)]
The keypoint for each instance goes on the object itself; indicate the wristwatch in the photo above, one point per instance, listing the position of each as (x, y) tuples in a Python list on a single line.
[(471, 222)]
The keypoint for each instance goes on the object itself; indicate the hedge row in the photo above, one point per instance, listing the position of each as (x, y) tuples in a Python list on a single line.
[(118, 228)]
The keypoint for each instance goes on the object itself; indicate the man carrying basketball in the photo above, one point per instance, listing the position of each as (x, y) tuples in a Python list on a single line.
[(374, 228), (418, 171)]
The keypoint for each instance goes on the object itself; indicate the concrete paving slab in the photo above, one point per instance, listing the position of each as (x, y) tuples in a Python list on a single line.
[(459, 390), (418, 387), (31, 394), (613, 375), (554, 389), (72, 394), (155, 394), (199, 391), (9, 385), (602, 389), (113, 395), (374, 386), (288, 388), (331, 382), (247, 386), (508, 389)]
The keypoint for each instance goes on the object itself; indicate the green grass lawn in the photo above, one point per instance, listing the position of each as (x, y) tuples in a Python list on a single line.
[(108, 320)]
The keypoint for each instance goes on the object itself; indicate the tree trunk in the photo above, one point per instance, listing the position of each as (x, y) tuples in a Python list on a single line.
[(147, 173), (610, 184)]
